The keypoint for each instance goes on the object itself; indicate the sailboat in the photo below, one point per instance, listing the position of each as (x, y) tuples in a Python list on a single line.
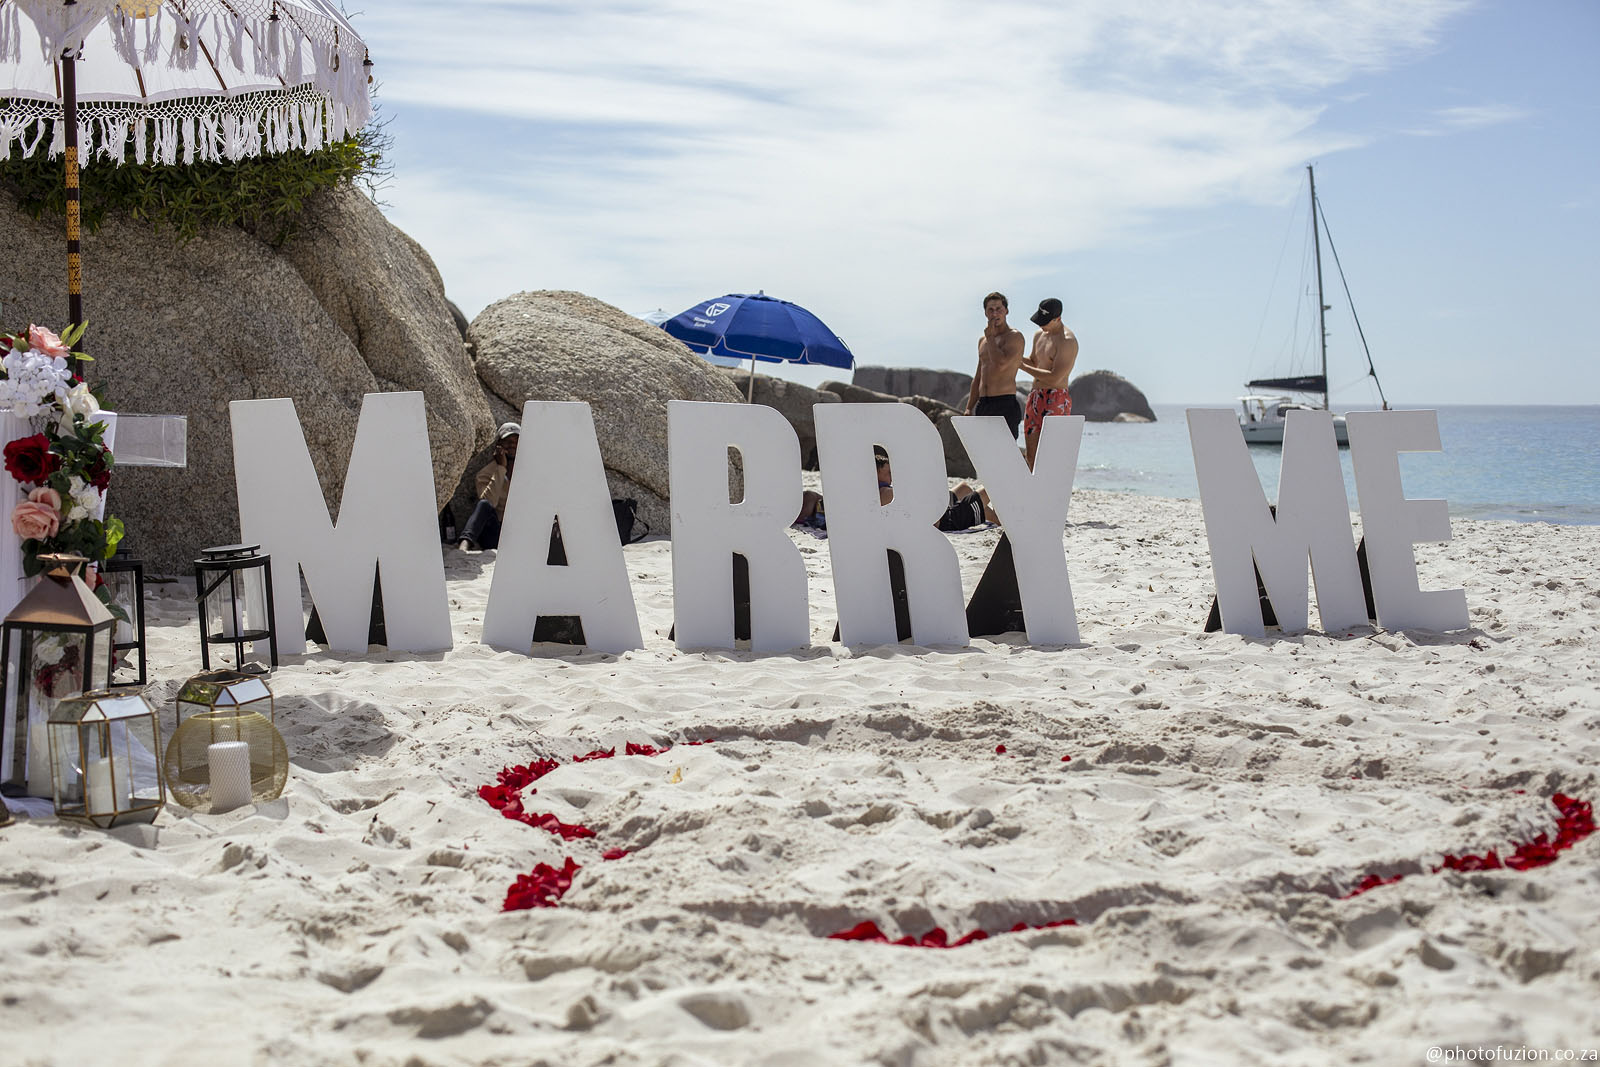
[(1262, 415)]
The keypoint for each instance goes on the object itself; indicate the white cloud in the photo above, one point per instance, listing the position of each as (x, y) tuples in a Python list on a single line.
[(884, 164), (1456, 119), (1462, 119)]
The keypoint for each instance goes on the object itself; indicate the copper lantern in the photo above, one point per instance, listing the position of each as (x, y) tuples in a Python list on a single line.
[(55, 643)]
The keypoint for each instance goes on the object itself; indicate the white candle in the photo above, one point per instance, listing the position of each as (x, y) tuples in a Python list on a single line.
[(99, 797), (39, 784), (229, 763)]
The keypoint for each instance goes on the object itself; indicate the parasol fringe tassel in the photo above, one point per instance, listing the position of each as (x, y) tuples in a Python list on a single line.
[(114, 139), (212, 129), (10, 34)]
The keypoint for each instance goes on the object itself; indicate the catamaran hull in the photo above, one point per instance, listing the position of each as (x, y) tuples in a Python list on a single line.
[(1271, 432)]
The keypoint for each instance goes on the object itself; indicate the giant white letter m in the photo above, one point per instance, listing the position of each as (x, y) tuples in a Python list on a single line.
[(387, 523)]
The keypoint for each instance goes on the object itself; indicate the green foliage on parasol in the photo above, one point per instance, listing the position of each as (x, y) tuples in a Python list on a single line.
[(264, 194)]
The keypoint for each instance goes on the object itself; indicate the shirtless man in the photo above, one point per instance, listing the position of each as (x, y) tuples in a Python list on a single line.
[(1055, 350), (994, 386)]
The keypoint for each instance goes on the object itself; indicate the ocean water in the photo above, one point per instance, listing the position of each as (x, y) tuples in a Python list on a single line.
[(1531, 464)]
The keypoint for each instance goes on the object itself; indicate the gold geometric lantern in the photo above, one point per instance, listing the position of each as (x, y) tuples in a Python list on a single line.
[(56, 643), (224, 690), (226, 757), (104, 752)]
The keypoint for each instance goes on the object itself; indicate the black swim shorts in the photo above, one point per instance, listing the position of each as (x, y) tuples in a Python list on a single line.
[(1007, 406)]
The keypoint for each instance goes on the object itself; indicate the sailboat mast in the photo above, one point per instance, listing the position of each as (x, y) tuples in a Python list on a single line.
[(1322, 306)]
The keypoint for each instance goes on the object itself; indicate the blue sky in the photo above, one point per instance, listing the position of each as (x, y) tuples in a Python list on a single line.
[(887, 164)]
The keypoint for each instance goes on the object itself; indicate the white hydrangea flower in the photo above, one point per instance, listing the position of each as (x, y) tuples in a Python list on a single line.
[(34, 384)]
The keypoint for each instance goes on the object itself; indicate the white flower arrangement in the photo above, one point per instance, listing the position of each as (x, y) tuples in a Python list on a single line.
[(64, 467), (36, 383)]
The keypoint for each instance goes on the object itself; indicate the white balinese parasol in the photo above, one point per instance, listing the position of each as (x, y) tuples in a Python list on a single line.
[(174, 81)]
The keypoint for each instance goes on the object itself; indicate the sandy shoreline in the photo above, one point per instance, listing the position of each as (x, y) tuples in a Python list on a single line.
[(1221, 795)]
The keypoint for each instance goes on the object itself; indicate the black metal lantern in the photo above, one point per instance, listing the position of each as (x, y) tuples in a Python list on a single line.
[(56, 643), (124, 577), (233, 588)]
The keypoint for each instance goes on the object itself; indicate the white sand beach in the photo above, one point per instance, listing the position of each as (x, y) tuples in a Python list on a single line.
[(1222, 795)]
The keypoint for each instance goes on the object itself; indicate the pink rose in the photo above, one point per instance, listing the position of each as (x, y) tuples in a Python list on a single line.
[(37, 518), (42, 340)]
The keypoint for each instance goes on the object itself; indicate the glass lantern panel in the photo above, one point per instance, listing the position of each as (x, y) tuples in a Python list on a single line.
[(120, 706), (244, 693), (197, 694), (66, 756), (238, 604), (253, 587), (102, 665), (224, 607), (136, 760), (105, 785), (52, 668), (14, 722), (125, 595)]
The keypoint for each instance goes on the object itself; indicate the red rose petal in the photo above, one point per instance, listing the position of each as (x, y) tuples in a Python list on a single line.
[(543, 887), (866, 930), (1574, 823)]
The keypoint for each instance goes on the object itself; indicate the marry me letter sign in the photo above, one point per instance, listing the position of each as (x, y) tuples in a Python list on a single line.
[(386, 526)]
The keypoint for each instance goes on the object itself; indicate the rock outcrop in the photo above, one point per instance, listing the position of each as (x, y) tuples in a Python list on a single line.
[(793, 400), (949, 387), (956, 462), (1101, 396), (858, 394), (351, 306), (568, 346)]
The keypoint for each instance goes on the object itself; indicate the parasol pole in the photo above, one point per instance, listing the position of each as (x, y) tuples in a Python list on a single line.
[(69, 115), (750, 395)]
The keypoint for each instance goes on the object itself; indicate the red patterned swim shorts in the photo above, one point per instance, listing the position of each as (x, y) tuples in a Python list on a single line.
[(1042, 402)]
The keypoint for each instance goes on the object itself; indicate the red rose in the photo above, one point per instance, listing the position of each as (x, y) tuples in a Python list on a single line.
[(29, 459), (98, 473)]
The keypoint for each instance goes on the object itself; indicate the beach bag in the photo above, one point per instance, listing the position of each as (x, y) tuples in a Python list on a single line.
[(626, 513)]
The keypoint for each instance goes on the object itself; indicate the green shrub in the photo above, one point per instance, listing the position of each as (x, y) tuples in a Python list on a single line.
[(264, 195)]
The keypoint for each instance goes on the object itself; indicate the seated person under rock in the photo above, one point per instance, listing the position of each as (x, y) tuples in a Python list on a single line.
[(493, 485), (968, 506)]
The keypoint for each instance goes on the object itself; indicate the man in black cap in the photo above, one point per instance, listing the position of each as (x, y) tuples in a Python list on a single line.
[(1055, 350)]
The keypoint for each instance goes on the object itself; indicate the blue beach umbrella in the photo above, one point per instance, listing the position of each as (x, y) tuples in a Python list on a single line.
[(740, 326)]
